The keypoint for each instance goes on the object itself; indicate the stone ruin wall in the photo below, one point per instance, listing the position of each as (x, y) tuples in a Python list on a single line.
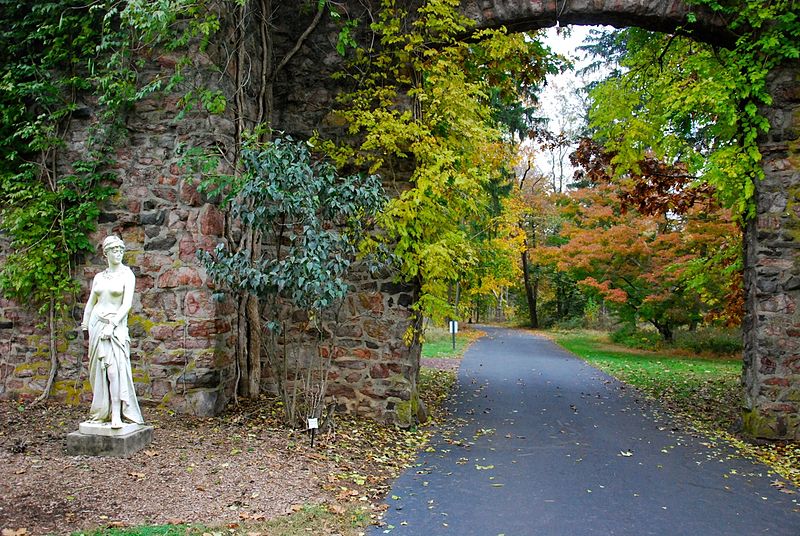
[(772, 272), (183, 341)]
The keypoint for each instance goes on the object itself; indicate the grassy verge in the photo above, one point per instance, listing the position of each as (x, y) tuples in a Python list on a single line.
[(325, 519), (703, 393), (438, 342)]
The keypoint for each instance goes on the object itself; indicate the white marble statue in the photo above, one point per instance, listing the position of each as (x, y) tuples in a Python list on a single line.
[(106, 319)]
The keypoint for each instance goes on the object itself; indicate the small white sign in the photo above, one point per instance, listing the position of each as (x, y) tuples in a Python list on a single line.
[(313, 424), (453, 326)]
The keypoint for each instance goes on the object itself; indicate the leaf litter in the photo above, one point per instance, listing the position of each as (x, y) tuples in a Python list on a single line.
[(234, 470)]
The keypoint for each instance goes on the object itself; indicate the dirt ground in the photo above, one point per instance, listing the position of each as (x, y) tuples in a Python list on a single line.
[(242, 466), (214, 471)]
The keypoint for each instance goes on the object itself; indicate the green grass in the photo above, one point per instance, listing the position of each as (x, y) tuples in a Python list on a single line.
[(438, 342), (156, 530), (703, 389), (347, 520)]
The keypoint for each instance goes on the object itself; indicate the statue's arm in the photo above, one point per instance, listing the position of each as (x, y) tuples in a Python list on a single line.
[(87, 311)]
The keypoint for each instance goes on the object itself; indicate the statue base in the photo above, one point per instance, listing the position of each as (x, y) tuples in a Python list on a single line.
[(99, 439)]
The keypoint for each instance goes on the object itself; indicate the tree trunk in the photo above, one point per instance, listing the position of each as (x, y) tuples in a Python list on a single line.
[(51, 323), (531, 290), (665, 330), (254, 347)]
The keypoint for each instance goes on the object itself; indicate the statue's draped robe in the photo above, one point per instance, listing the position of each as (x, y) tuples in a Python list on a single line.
[(115, 352)]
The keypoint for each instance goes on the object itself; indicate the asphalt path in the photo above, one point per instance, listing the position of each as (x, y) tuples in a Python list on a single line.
[(543, 444)]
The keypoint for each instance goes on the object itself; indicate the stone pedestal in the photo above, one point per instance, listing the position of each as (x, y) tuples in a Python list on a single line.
[(99, 439)]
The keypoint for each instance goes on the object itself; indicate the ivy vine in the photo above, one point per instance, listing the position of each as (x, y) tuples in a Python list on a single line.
[(64, 60), (767, 35)]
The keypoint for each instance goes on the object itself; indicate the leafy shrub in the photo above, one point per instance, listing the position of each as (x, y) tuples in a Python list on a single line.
[(702, 341), (715, 341), (574, 322), (632, 337)]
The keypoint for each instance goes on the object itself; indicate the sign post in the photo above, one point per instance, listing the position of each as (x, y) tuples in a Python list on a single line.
[(313, 424), (453, 331)]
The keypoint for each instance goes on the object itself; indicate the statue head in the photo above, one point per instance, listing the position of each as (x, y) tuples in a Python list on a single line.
[(113, 241)]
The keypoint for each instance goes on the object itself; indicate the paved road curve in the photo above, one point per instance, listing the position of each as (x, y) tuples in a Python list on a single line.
[(547, 445)]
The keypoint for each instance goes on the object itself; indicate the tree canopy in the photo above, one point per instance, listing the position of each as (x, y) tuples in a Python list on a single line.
[(448, 108)]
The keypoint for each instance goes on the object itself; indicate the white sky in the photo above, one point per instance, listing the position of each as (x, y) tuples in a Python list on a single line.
[(561, 86)]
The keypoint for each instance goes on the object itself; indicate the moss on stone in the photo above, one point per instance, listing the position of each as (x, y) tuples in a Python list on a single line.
[(406, 411), (72, 394), (31, 367), (792, 395), (62, 345), (166, 400), (42, 347), (140, 375), (410, 412), (770, 426), (141, 321), (794, 145), (755, 424)]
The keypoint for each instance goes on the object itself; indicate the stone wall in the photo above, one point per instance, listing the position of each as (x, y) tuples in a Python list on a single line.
[(373, 371), (654, 15), (772, 272), (182, 340)]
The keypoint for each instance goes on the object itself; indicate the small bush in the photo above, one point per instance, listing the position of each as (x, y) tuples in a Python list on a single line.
[(575, 322), (632, 337), (702, 341), (715, 341)]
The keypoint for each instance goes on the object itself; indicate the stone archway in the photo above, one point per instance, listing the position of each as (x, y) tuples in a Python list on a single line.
[(185, 338), (771, 373)]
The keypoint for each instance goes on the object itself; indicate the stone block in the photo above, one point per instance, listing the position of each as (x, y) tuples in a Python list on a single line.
[(363, 353), (377, 329), (178, 277), (199, 378), (163, 243), (108, 443), (211, 221), (371, 301), (166, 193), (104, 429), (189, 195)]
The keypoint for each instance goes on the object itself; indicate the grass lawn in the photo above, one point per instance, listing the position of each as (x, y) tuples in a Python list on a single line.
[(703, 392), (707, 389), (317, 519), (438, 342)]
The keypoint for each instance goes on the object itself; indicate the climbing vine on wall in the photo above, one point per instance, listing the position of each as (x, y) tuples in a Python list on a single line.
[(423, 100), (64, 60), (679, 99), (767, 34)]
